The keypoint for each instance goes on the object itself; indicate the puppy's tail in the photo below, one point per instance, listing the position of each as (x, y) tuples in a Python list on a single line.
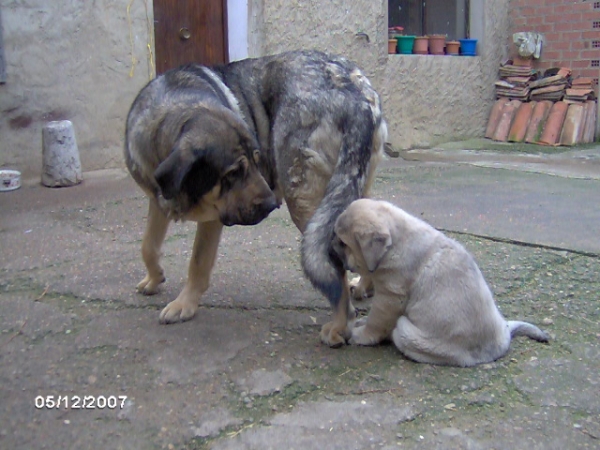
[(364, 134), (518, 328)]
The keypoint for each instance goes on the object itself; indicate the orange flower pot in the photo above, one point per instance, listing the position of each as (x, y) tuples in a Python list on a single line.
[(437, 42), (452, 47), (421, 45), (392, 43)]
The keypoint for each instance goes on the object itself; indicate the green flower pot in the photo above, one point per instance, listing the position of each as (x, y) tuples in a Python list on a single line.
[(405, 44)]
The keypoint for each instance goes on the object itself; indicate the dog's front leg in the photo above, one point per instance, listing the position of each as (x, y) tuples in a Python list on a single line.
[(204, 254), (337, 332), (156, 229)]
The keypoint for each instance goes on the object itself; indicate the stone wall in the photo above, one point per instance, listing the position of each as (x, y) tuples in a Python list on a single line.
[(78, 60)]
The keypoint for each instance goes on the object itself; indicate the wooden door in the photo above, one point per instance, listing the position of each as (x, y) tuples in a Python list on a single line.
[(190, 31)]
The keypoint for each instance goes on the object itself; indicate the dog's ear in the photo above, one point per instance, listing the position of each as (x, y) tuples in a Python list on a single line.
[(373, 246), (188, 172)]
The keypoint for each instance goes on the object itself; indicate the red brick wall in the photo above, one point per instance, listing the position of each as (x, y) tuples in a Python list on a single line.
[(571, 30)]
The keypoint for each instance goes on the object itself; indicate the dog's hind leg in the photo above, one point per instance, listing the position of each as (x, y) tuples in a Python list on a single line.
[(156, 229), (336, 333), (419, 346), (204, 254)]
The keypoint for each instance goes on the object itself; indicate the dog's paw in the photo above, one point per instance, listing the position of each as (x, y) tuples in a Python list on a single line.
[(361, 289), (333, 336), (149, 285), (361, 336), (177, 311)]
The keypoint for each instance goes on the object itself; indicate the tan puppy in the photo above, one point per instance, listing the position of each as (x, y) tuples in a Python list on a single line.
[(430, 297)]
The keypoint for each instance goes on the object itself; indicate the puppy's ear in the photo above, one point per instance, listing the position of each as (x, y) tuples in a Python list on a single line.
[(189, 172), (373, 246)]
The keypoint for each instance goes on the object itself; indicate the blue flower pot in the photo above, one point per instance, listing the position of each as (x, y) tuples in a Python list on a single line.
[(468, 47)]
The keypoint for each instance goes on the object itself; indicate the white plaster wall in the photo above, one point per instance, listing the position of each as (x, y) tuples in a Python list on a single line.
[(237, 26), (71, 59)]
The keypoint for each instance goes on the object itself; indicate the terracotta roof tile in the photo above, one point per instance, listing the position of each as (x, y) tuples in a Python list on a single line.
[(537, 121), (505, 122), (495, 117), (572, 128), (554, 123), (551, 110), (590, 123), (520, 122)]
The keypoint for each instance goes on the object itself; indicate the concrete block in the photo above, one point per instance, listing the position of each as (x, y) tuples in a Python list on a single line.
[(61, 164)]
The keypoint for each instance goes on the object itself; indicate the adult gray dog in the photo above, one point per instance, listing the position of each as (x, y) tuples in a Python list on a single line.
[(430, 297), (226, 145)]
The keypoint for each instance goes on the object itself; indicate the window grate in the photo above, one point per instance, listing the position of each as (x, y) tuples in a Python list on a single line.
[(596, 24), (595, 44), (595, 63), (596, 5)]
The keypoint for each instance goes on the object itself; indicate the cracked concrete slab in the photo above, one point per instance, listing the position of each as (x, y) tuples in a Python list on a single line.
[(249, 371)]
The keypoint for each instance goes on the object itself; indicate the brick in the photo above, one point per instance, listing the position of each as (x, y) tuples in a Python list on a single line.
[(591, 72), (548, 54), (528, 11), (534, 20), (581, 64), (544, 11), (567, 26), (561, 45), (571, 55), (590, 54), (592, 34), (555, 37)]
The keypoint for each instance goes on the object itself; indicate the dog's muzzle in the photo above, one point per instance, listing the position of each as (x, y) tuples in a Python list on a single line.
[(252, 216)]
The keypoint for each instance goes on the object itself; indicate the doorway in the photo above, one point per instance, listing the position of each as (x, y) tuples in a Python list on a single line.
[(190, 31)]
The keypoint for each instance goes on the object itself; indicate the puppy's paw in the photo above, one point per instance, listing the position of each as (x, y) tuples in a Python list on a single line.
[(177, 311), (360, 288), (149, 285), (333, 336), (361, 336), (360, 322)]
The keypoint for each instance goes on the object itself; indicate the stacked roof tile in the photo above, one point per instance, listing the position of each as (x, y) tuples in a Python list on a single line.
[(553, 109)]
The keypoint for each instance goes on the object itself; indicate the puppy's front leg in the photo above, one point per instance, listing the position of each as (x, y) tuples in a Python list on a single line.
[(380, 322), (336, 333), (204, 254)]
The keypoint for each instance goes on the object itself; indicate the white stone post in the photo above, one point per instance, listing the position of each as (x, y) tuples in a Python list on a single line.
[(62, 166)]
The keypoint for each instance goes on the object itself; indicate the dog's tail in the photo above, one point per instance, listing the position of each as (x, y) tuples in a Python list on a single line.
[(364, 135), (518, 328)]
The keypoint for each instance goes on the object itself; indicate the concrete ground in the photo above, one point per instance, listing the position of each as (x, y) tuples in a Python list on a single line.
[(248, 372)]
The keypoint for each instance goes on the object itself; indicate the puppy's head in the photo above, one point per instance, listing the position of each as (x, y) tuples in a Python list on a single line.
[(362, 237), (215, 160)]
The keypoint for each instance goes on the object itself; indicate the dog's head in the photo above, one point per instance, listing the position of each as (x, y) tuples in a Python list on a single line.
[(362, 238), (215, 162)]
